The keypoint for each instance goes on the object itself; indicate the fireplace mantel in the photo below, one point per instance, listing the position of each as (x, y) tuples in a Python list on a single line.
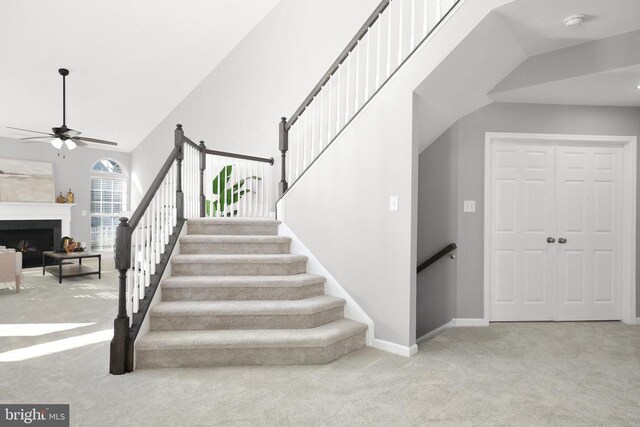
[(30, 211)]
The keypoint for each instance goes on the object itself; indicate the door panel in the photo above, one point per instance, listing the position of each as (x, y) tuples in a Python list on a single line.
[(589, 191), (523, 217)]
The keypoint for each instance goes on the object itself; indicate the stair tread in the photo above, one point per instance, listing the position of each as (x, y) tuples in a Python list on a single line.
[(234, 221), (251, 338), (247, 308), (233, 238), (291, 281), (238, 258)]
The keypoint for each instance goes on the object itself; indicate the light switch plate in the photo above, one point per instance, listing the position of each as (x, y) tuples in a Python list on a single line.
[(84, 213), (393, 203), (469, 205)]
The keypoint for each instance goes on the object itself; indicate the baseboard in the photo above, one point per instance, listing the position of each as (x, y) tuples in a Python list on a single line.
[(394, 348), (454, 323), (352, 309), (469, 322), (435, 332)]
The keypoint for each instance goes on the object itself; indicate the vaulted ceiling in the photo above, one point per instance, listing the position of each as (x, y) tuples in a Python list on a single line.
[(131, 62)]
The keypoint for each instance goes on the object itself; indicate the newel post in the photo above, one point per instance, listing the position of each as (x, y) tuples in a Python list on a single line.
[(284, 147), (179, 142), (203, 166), (121, 347)]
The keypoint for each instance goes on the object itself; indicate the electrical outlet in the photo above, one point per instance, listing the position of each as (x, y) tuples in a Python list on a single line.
[(470, 206), (393, 203)]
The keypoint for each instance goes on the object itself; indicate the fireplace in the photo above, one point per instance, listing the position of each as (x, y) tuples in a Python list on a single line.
[(31, 237)]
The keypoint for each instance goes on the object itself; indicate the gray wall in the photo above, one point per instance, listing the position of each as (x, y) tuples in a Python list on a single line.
[(437, 227), (507, 117), (72, 172)]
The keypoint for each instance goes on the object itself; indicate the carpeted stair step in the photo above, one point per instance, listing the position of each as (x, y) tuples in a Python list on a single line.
[(319, 345), (242, 288), (212, 244), (233, 226), (198, 315), (238, 265)]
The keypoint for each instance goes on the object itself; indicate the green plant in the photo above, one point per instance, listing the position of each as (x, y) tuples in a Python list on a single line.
[(228, 195)]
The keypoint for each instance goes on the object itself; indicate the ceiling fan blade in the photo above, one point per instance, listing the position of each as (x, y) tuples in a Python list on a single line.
[(38, 137), (99, 141), (79, 143), (27, 130)]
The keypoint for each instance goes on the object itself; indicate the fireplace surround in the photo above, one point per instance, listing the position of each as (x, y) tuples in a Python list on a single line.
[(12, 213), (31, 237)]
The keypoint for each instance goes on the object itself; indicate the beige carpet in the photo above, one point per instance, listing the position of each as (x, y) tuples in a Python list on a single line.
[(506, 374)]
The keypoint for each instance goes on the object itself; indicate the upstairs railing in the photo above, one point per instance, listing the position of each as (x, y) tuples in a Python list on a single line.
[(392, 33), (194, 182)]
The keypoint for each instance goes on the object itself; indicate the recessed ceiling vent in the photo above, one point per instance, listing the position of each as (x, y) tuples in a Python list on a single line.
[(573, 21)]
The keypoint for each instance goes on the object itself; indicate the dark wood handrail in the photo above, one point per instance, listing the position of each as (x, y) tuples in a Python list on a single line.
[(442, 252), (148, 197), (240, 156), (334, 67)]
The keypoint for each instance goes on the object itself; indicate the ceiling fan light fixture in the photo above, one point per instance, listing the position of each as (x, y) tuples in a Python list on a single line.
[(57, 143), (70, 144)]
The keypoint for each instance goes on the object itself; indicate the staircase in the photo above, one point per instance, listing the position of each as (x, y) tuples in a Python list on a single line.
[(238, 297)]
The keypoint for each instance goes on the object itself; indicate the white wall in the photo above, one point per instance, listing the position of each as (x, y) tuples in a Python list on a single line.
[(339, 209), (238, 106), (72, 172)]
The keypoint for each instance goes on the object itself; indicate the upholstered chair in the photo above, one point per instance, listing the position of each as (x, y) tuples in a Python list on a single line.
[(10, 268)]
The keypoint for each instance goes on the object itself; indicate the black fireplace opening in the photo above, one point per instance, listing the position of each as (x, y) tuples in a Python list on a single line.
[(31, 238)]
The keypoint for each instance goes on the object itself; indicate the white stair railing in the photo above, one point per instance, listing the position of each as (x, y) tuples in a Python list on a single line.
[(386, 40)]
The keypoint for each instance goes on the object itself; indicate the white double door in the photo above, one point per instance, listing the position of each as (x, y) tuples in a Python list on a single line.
[(556, 228)]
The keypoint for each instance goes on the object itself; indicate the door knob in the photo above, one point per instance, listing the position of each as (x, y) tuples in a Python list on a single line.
[(562, 240), (551, 240)]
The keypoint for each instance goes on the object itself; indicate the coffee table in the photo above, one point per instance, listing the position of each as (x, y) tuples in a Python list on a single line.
[(66, 268)]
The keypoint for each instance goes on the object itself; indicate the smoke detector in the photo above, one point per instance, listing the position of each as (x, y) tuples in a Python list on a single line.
[(573, 21)]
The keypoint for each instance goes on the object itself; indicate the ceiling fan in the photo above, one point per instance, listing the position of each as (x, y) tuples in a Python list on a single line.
[(63, 135)]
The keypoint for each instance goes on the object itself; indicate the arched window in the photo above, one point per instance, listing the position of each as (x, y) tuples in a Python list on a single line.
[(108, 200)]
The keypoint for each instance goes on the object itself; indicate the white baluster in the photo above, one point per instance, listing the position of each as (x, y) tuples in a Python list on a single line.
[(425, 23), (412, 41), (152, 245), (338, 71), (389, 8), (261, 186), (438, 10), (357, 85), (329, 109), (220, 197), (367, 67), (147, 273), (378, 50), (313, 130), (298, 126), (163, 222), (400, 29), (347, 92), (320, 131), (136, 276)]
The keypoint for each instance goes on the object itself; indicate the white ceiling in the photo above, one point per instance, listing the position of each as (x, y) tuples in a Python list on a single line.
[(614, 88), (131, 62), (503, 42), (538, 26)]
